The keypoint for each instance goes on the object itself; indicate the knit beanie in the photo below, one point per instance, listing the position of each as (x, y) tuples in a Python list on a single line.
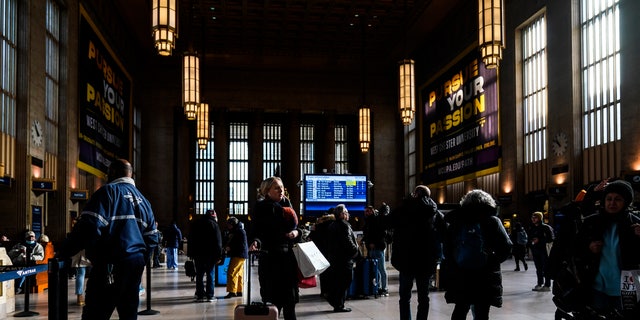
[(622, 188)]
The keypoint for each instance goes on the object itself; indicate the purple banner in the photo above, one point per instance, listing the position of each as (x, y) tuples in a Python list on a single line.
[(104, 88), (460, 123)]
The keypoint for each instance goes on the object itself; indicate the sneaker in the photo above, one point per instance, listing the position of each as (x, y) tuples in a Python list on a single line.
[(383, 293), (238, 294), (210, 299), (200, 300), (230, 295), (516, 269), (537, 288), (545, 289)]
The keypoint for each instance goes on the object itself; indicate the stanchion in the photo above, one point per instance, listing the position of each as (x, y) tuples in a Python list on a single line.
[(27, 291), (148, 311), (58, 289)]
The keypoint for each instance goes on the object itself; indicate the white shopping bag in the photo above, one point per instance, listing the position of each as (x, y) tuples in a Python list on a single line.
[(630, 288), (310, 260)]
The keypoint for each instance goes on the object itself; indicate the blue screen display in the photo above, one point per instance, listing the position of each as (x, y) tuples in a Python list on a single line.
[(324, 191)]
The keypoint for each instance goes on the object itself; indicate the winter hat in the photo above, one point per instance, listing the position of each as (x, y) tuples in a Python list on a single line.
[(212, 213), (29, 234), (622, 188)]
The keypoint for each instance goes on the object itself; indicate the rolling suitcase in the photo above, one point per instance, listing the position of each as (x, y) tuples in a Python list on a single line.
[(365, 279), (369, 276), (253, 310), (221, 272)]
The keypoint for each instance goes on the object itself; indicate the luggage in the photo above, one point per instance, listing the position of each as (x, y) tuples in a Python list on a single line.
[(221, 272), (365, 279), (253, 310), (190, 269)]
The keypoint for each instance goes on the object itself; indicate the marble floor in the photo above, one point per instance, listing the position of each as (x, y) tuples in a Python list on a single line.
[(172, 298)]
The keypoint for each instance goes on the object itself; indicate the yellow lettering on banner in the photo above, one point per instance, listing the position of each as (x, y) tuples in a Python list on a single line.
[(109, 112), (458, 116), (101, 63)]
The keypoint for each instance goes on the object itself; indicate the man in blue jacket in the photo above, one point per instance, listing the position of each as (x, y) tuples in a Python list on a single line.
[(117, 229)]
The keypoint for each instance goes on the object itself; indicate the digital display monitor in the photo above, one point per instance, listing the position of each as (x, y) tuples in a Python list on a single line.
[(324, 191)]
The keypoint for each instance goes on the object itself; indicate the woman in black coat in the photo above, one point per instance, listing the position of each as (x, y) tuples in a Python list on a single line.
[(479, 285), (274, 230)]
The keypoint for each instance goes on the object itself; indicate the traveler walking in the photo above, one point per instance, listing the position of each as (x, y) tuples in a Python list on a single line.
[(205, 248), (475, 246), (416, 222), (540, 237), (519, 239)]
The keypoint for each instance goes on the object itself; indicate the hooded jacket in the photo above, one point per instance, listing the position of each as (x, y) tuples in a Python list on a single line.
[(482, 285)]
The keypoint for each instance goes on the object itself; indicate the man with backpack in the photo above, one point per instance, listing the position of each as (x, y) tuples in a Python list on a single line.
[(476, 244)]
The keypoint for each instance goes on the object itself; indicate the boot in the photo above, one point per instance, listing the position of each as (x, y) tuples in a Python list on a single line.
[(80, 300), (526, 267)]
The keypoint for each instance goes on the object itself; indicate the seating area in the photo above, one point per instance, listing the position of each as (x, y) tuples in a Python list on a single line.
[(172, 296)]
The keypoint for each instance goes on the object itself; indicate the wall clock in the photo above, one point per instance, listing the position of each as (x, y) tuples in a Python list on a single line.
[(36, 133), (559, 143)]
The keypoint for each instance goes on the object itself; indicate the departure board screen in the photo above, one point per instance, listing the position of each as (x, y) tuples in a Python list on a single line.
[(324, 191)]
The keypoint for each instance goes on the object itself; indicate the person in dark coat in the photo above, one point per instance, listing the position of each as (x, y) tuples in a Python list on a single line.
[(343, 249), (540, 236), (205, 248), (320, 236), (237, 250), (374, 238), (418, 229), (478, 287), (172, 238), (607, 242), (519, 239), (274, 231)]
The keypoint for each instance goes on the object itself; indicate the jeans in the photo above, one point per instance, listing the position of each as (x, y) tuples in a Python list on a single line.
[(172, 257), (204, 268), (406, 285), (80, 272), (382, 268)]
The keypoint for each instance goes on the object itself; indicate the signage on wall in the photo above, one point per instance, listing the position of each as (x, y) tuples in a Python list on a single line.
[(460, 123), (105, 101), (44, 185), (78, 195), (36, 220)]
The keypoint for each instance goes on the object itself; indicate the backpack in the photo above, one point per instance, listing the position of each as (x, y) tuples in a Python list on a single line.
[(468, 251), (521, 237)]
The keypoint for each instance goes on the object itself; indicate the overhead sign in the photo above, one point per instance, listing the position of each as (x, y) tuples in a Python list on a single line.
[(42, 185)]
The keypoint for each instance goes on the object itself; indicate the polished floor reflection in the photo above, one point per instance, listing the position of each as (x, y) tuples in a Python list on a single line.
[(172, 296)]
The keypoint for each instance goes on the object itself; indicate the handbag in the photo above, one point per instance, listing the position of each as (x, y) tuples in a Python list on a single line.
[(306, 282), (629, 288), (311, 261)]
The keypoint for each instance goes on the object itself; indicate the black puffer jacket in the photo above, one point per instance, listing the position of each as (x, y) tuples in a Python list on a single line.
[(482, 285)]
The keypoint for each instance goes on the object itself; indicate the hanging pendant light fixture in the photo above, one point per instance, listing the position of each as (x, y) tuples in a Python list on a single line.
[(490, 32), (364, 128), (203, 125), (164, 24), (191, 84), (364, 111), (407, 92), (406, 82)]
